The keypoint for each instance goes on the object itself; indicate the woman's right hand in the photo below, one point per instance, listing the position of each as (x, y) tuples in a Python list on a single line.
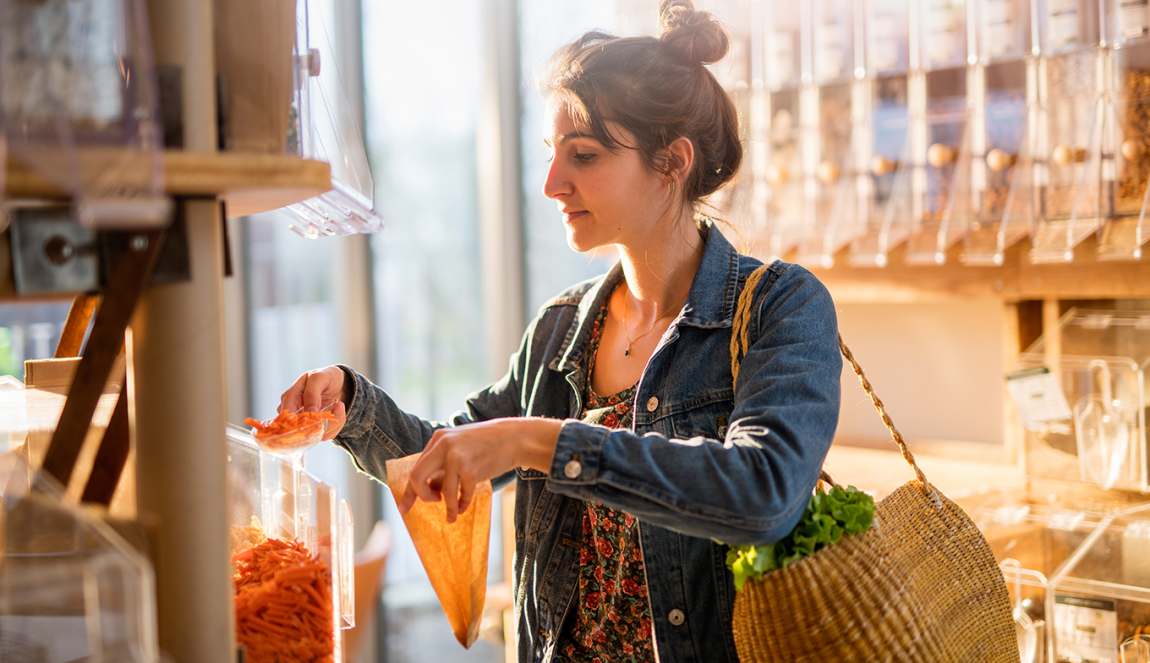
[(316, 390)]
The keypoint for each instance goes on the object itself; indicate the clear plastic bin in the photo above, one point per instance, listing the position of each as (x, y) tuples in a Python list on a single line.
[(1099, 600), (788, 133), (1100, 360), (1071, 115), (1123, 234), (290, 505), (841, 125), (887, 193), (70, 588), (1031, 542), (79, 102), (322, 126)]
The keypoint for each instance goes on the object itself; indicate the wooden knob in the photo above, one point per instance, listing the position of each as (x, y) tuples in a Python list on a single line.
[(938, 155), (880, 165), (1132, 150), (1064, 154), (778, 175), (998, 160), (828, 172)]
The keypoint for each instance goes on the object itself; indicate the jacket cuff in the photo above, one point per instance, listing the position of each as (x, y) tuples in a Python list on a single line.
[(578, 453), (361, 407)]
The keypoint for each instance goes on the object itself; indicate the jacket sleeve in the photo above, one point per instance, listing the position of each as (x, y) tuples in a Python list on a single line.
[(377, 429), (753, 485)]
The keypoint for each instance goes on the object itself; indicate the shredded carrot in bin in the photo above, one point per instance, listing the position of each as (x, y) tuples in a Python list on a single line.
[(283, 604)]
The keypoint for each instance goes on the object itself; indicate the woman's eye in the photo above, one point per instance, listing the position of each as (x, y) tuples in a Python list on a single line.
[(584, 157)]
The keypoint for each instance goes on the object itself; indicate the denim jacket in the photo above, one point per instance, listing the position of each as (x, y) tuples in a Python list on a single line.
[(703, 462)]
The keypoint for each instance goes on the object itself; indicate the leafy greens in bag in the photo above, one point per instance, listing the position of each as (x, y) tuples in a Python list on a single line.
[(829, 516)]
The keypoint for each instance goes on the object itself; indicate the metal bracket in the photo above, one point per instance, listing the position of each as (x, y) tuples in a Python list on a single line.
[(51, 253)]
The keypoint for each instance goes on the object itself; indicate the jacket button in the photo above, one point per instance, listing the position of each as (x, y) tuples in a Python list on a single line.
[(652, 404), (573, 469), (676, 617)]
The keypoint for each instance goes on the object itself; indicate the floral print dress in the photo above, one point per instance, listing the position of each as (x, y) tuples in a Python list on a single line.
[(611, 619)]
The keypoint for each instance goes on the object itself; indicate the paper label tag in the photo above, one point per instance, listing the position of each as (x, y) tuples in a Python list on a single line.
[(998, 27), (1087, 628), (1063, 23), (1133, 18), (1038, 397)]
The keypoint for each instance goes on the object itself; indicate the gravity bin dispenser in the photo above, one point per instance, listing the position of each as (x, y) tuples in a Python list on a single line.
[(1001, 141), (1068, 161), (839, 93), (887, 148), (792, 117), (940, 133), (1127, 166)]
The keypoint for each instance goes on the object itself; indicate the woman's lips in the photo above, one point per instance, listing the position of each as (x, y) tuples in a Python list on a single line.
[(572, 215)]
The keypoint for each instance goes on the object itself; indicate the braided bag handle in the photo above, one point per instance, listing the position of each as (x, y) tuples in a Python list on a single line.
[(740, 344)]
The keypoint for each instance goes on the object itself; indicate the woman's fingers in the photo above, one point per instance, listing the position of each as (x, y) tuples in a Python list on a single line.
[(339, 411), (292, 399), (322, 387), (313, 390)]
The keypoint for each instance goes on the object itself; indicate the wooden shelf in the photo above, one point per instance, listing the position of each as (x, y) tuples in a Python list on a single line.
[(249, 183), (1015, 280)]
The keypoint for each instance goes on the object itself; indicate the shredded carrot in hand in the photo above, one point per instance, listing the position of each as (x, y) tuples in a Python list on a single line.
[(286, 423), (283, 604)]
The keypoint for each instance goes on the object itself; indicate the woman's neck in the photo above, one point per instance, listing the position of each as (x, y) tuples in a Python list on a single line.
[(659, 274)]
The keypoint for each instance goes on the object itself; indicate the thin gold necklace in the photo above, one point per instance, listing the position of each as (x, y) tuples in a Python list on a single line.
[(630, 341)]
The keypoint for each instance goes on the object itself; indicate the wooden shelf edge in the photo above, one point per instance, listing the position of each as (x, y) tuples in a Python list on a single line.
[(250, 183), (1016, 279)]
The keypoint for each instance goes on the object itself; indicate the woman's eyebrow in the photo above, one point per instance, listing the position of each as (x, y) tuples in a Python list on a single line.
[(566, 137)]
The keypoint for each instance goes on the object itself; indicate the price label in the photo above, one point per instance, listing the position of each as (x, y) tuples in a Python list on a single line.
[(1087, 628), (1038, 397)]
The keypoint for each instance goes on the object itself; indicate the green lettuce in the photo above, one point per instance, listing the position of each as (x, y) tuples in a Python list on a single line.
[(828, 517)]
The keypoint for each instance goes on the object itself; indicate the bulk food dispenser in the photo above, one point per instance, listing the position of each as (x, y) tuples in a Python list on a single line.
[(280, 511), (886, 147), (71, 588), (1001, 141), (1127, 153), (1070, 128), (940, 139), (838, 90), (792, 117)]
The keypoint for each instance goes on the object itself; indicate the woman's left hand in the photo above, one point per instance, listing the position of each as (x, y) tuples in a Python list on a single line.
[(457, 459)]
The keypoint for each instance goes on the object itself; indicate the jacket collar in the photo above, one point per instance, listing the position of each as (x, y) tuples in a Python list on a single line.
[(710, 301)]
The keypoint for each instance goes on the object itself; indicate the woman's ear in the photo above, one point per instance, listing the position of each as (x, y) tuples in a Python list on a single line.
[(682, 157)]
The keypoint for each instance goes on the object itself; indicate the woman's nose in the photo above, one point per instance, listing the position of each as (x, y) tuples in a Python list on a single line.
[(556, 183)]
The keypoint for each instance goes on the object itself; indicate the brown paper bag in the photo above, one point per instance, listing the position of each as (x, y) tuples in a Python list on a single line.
[(455, 554)]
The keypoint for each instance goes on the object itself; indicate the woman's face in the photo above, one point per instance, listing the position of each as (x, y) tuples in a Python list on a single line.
[(605, 197)]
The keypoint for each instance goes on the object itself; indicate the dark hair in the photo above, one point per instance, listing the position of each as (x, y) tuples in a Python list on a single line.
[(658, 89)]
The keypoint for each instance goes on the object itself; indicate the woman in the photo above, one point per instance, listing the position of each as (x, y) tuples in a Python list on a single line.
[(633, 454)]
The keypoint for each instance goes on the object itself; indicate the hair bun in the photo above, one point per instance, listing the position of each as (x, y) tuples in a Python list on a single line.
[(696, 37)]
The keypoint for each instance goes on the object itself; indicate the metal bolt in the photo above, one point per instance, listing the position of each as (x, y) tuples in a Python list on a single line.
[(59, 250), (138, 243)]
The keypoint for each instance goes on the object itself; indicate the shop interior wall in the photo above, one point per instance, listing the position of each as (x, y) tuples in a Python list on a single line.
[(938, 367)]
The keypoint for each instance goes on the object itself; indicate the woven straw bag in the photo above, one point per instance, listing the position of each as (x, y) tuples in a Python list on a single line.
[(920, 585)]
